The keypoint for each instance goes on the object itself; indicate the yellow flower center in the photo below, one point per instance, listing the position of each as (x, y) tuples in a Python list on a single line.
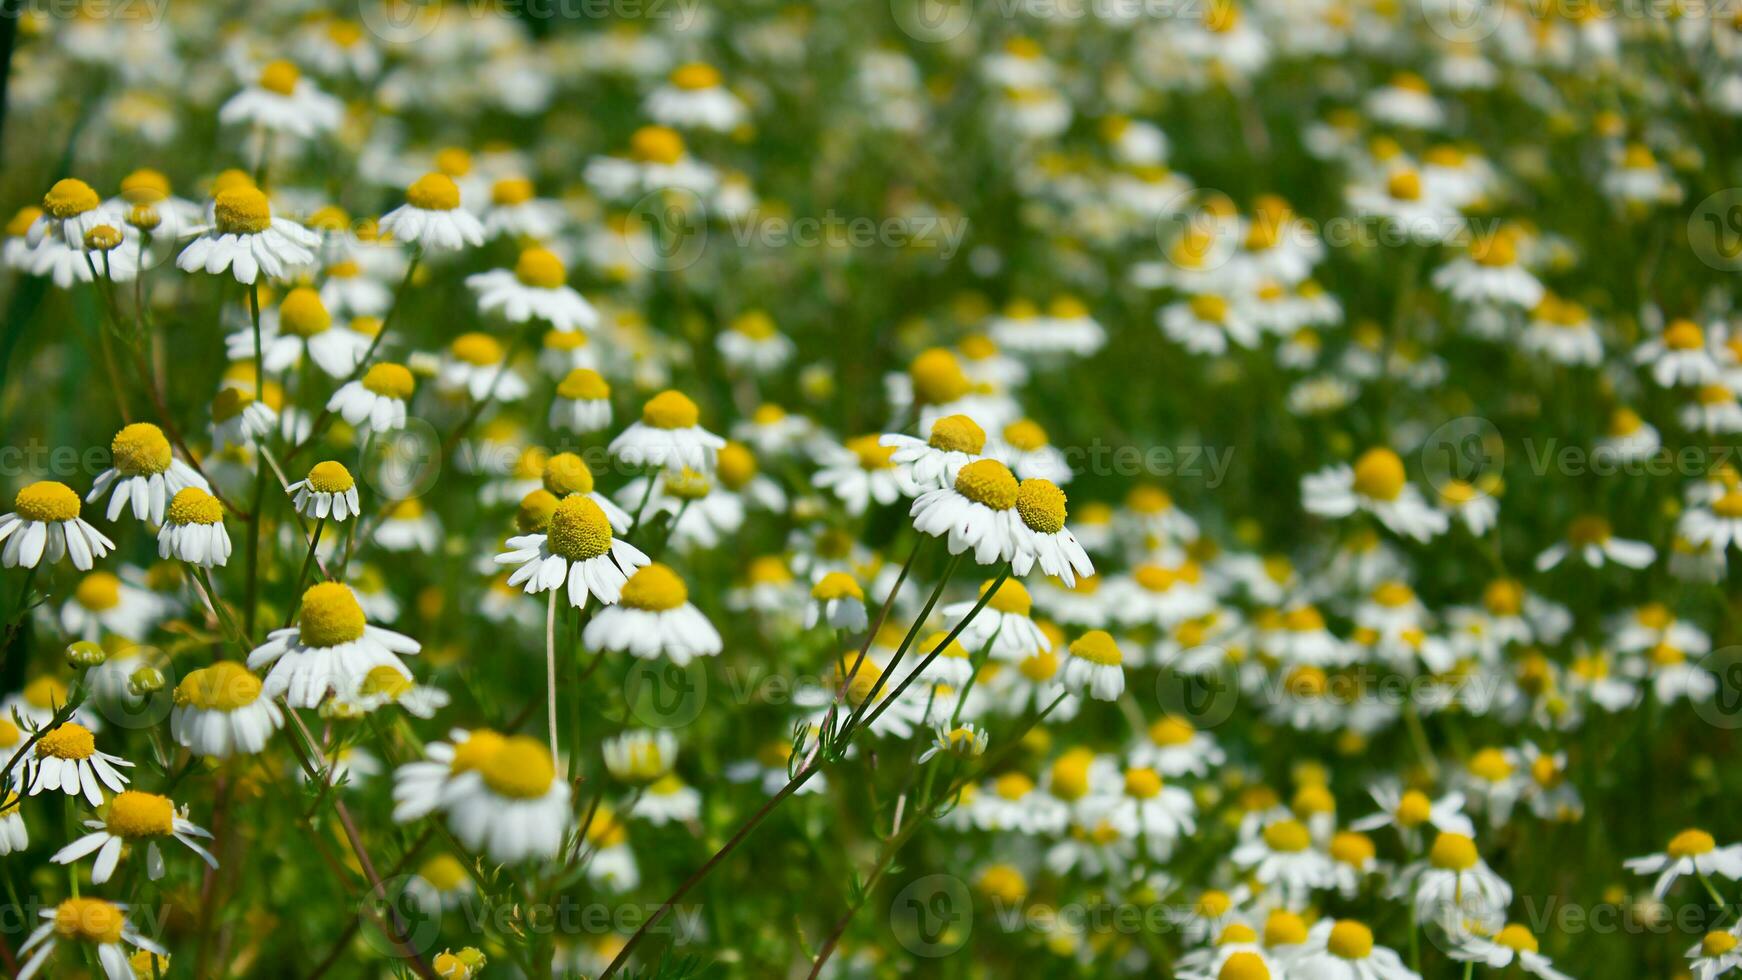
[(871, 454), (46, 500), (478, 749), (655, 588), (302, 314), (695, 76), (445, 872), (687, 484), (1691, 843), (1684, 335), (1588, 529), (98, 591), (330, 616), (1214, 904), (1350, 940), (136, 814), (384, 681), (224, 686), (1717, 944), (1237, 933), (242, 211), (45, 693), (433, 192), (1352, 848), (140, 449), (957, 433), (1043, 665), (1404, 185), (1210, 309), (89, 920), (103, 238), (579, 529), (21, 222), (670, 409), (736, 466), (540, 269), (988, 482), (1070, 774), (1414, 809), (1306, 681), (1142, 783), (756, 325), (656, 144), (837, 585), (477, 349), (937, 377), (1729, 505), (520, 769), (191, 505), (1171, 731), (1284, 928), (583, 384), (330, 476), (280, 77), (1097, 647), (1012, 597), (1287, 836), (510, 191), (389, 381), (1025, 435), (1519, 938), (567, 473), (453, 161), (1004, 882), (69, 198), (70, 741), (1041, 505), (1494, 251), (1379, 474), (1453, 852)]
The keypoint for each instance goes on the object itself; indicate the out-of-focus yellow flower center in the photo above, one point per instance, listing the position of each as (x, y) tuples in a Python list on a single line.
[(89, 920), (477, 349), (520, 769), (98, 591), (69, 198), (433, 192), (1287, 836), (540, 269), (1453, 852), (224, 686), (584, 384), (510, 191), (1379, 474), (1350, 940), (1097, 647), (670, 409), (390, 380), (656, 144), (1352, 848), (1691, 843), (957, 433), (1717, 943), (837, 585), (937, 377), (280, 77), (655, 588), (1011, 597), (302, 314)]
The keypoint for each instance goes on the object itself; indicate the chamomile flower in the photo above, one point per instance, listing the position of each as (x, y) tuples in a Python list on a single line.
[(103, 603), (45, 523), (421, 787), (668, 800), (1411, 209), (134, 818), (1490, 275), (978, 512), (1005, 622), (440, 883), (1562, 331), (753, 343), (510, 805), (377, 400), (329, 491), (640, 757), (1691, 852), (66, 759), (1453, 885), (247, 239), (14, 835), (220, 712), (1282, 856), (1173, 746), (862, 470), (1094, 666), (1152, 809), (1718, 953), (239, 419), (1344, 950), (477, 364), (330, 649), (582, 403), (565, 475), (694, 97), (535, 289), (656, 160), (1022, 445), (1411, 811), (193, 530), (517, 210), (87, 922), (653, 618), (70, 211), (668, 435), (837, 601), (145, 473), (577, 550), (386, 685), (965, 741), (1376, 484), (432, 216), (1041, 535), (1590, 540), (281, 100), (1679, 356)]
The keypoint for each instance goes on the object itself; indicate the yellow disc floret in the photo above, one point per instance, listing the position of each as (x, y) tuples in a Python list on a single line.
[(959, 434), (242, 211), (655, 588), (1097, 647), (191, 505), (566, 473), (540, 268), (71, 741), (136, 814), (579, 529), (1379, 474), (302, 314), (98, 591), (1453, 852), (988, 482), (330, 476), (433, 192), (330, 616), (390, 380), (1350, 940), (1041, 505), (224, 686), (583, 384), (520, 769), (69, 198), (47, 500), (670, 410), (89, 920)]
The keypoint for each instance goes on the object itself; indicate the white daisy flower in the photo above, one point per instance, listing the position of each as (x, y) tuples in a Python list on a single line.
[(134, 818), (640, 756), (14, 835), (1691, 852), (406, 526), (511, 806), (239, 419), (978, 512), (329, 490), (1378, 485), (377, 400), (576, 550), (1042, 538), (300, 325), (87, 921), (144, 473), (1679, 356), (838, 602), (193, 530), (70, 211), (103, 603), (693, 97), (582, 403), (1094, 666), (753, 343), (247, 239), (1344, 950), (1590, 540), (477, 364), (654, 618), (66, 759), (330, 649), (1004, 622), (1282, 856), (536, 288), (45, 523), (219, 712), (1490, 275), (1454, 885), (1175, 747), (1717, 954), (657, 160), (668, 436), (668, 800), (953, 442), (432, 217), (516, 210), (861, 470), (1718, 526), (282, 101), (420, 788)]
